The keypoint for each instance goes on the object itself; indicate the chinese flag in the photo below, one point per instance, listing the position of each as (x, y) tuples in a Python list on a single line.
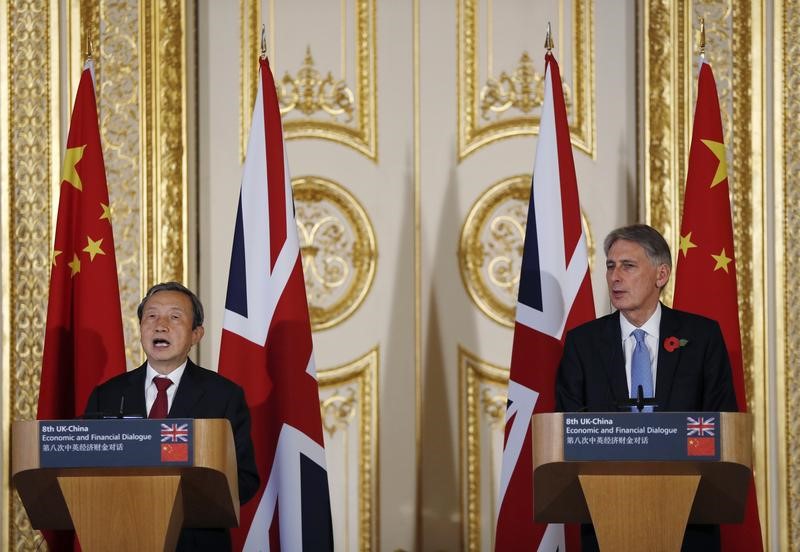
[(700, 446), (705, 279), (174, 452), (84, 342)]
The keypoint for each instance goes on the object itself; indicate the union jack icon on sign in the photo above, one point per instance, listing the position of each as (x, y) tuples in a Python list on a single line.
[(174, 433), (702, 427)]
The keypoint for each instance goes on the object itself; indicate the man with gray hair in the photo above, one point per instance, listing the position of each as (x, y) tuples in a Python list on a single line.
[(170, 385), (675, 357)]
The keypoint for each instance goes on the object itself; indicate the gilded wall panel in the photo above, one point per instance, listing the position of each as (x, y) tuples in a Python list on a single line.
[(337, 242), (493, 106), (787, 138), (337, 104), (349, 408), (734, 47), (482, 406), (31, 127)]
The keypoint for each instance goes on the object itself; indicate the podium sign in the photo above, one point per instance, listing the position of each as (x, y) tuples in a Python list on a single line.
[(115, 443), (632, 436)]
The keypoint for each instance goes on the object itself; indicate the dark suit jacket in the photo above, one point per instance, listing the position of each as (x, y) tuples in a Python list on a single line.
[(201, 394), (695, 377)]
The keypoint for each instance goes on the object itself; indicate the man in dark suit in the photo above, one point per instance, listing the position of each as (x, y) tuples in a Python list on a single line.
[(171, 322), (689, 365)]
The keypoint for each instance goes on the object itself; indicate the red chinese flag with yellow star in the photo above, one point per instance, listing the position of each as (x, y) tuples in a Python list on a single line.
[(705, 278), (84, 343)]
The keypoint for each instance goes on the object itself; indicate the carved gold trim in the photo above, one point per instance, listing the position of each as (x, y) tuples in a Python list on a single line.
[(5, 282), (490, 249), (337, 242), (474, 134), (362, 136), (250, 19), (361, 373), (31, 161), (164, 140), (786, 136), (735, 48), (483, 398)]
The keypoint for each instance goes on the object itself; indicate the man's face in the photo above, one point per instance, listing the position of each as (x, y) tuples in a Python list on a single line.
[(634, 282), (166, 330)]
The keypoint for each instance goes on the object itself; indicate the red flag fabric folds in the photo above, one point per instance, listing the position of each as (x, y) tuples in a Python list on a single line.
[(555, 295), (705, 277), (84, 343)]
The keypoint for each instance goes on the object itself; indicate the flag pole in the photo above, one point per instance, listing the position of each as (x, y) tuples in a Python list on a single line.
[(703, 38), (548, 39), (263, 41)]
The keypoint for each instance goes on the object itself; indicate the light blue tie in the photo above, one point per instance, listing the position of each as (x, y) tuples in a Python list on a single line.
[(641, 373)]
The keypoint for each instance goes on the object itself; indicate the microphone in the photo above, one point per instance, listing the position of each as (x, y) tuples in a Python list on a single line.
[(122, 406), (640, 398)]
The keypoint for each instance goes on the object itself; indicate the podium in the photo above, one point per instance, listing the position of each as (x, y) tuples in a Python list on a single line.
[(641, 504), (130, 507)]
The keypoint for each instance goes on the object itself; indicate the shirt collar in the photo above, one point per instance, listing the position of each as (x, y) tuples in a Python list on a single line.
[(174, 376), (651, 326)]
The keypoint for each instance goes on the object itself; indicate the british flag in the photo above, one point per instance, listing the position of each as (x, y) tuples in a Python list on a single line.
[(702, 427), (267, 349), (174, 433), (555, 294)]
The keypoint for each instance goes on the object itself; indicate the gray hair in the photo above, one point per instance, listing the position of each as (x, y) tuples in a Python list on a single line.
[(197, 306), (653, 243)]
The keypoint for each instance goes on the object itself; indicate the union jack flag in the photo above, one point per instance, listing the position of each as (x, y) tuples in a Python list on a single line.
[(266, 348), (174, 433), (555, 295), (702, 427)]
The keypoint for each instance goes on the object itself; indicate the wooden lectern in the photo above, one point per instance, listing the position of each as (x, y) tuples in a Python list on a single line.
[(132, 509), (641, 505)]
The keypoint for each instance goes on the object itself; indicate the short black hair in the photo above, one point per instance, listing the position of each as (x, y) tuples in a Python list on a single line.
[(651, 240), (197, 306)]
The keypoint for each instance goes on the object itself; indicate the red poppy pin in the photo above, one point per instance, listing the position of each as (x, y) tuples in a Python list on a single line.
[(671, 343)]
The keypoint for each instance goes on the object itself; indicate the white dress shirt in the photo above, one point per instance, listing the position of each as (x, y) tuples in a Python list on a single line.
[(651, 340), (150, 389)]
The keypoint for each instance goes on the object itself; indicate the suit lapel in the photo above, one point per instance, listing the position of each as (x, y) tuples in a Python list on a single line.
[(667, 361), (188, 394), (614, 358), (133, 403)]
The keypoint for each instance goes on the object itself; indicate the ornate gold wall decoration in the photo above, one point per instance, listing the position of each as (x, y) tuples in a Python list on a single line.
[(523, 90), (349, 407), (735, 47), (490, 250), (309, 93), (250, 25), (487, 113), (327, 107), (31, 162), (483, 392), (337, 243), (787, 263)]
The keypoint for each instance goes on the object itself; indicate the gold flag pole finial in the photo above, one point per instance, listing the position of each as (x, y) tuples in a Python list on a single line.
[(548, 40), (703, 37), (88, 48), (263, 42)]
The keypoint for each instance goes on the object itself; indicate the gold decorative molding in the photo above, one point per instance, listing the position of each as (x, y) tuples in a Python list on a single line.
[(490, 249), (338, 114), (736, 51), (483, 396), (349, 408), (337, 243), (250, 28), (31, 162), (309, 93), (491, 112), (787, 265)]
